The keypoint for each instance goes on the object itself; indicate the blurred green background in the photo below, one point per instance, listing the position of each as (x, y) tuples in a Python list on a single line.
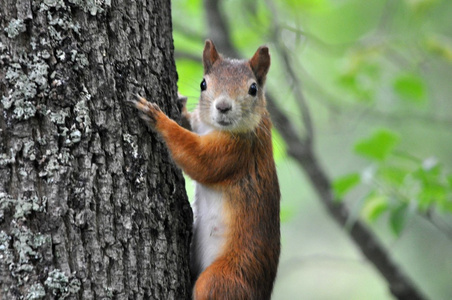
[(377, 77)]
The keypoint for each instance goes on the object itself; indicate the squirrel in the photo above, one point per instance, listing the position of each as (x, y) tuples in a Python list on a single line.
[(236, 232)]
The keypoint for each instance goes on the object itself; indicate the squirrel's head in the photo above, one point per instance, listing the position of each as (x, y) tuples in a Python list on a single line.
[(232, 91)]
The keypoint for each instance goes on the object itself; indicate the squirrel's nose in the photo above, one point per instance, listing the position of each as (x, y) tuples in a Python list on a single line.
[(223, 107)]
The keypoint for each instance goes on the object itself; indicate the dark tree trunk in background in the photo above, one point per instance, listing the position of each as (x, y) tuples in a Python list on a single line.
[(91, 205)]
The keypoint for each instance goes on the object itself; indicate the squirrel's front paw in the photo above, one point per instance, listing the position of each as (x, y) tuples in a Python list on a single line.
[(149, 111), (185, 115), (182, 102)]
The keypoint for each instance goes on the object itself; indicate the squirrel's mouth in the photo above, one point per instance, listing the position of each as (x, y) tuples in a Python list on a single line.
[(223, 120), (224, 123)]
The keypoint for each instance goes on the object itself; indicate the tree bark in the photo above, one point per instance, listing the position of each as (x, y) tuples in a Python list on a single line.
[(91, 205)]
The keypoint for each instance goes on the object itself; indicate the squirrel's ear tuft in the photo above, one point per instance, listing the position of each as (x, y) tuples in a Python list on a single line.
[(260, 63), (209, 56)]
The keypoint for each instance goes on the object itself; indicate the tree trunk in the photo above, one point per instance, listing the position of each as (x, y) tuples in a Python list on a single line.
[(91, 205)]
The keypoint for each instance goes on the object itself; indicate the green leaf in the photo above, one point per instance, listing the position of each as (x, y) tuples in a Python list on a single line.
[(397, 218), (449, 180), (378, 146), (344, 184), (393, 175), (307, 5), (430, 195), (375, 206), (355, 84), (410, 87), (348, 81), (429, 173)]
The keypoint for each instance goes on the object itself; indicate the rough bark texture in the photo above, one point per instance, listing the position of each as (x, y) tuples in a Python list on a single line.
[(91, 205)]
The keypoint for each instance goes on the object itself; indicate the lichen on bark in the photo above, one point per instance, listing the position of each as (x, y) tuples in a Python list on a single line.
[(91, 205)]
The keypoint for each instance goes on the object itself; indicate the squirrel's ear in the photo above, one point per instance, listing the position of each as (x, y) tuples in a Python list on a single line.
[(209, 56), (260, 63)]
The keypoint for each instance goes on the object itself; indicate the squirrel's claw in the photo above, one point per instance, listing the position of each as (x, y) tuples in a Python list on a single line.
[(138, 101), (148, 110)]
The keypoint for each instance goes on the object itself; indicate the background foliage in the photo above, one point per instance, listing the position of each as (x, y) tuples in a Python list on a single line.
[(376, 75)]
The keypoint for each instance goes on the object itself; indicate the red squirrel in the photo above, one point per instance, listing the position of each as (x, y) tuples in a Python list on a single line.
[(236, 233)]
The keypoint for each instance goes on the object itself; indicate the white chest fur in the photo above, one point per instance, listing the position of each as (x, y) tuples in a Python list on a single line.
[(208, 228)]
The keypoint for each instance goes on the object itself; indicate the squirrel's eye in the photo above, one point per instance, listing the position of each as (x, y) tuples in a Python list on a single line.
[(203, 85), (253, 89)]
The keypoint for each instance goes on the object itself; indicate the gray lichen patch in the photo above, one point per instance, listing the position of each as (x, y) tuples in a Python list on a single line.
[(81, 111), (58, 117), (6, 159), (15, 27), (63, 22), (24, 109), (55, 162), (29, 150), (74, 137), (27, 74), (81, 126), (21, 207), (35, 292), (132, 142), (62, 285), (27, 78), (57, 4), (79, 59), (19, 249), (92, 6), (27, 244), (6, 253), (27, 205)]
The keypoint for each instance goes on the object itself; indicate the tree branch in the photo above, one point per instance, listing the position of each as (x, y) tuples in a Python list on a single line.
[(293, 263), (299, 96), (218, 30), (302, 151)]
